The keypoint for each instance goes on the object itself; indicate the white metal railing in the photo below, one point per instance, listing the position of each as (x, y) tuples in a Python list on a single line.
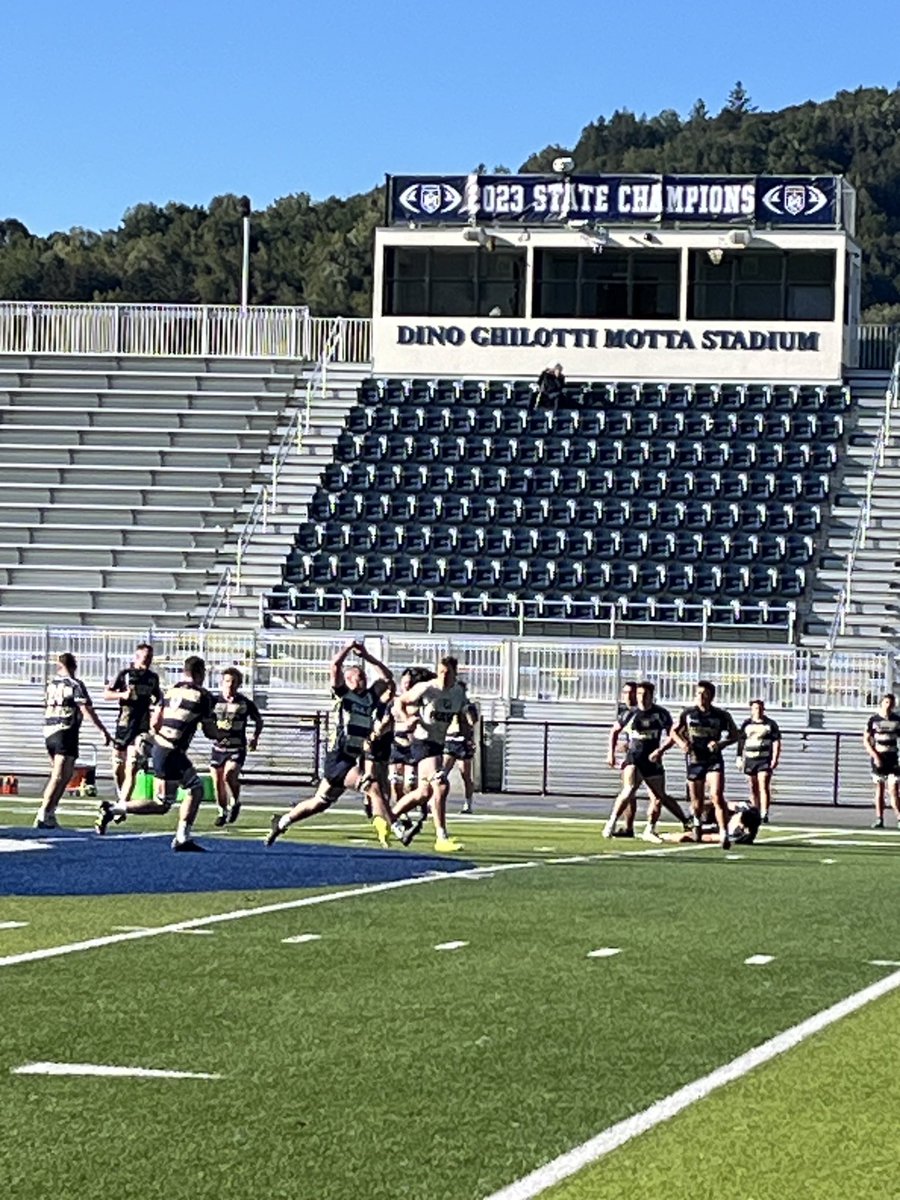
[(348, 608), (877, 345), (284, 663), (265, 499), (861, 529), (178, 331)]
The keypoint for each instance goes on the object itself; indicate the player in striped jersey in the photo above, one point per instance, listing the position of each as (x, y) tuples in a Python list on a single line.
[(137, 689), (759, 752), (233, 712), (882, 741), (65, 701), (186, 707), (355, 713)]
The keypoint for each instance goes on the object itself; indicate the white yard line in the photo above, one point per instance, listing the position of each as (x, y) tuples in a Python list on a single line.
[(13, 924), (450, 945), (759, 960), (301, 938), (55, 1068), (552, 1173)]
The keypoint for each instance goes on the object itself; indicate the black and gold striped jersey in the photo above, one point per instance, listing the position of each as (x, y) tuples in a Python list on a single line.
[(185, 706), (63, 701)]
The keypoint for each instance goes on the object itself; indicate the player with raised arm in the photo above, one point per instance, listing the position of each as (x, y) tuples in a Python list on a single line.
[(646, 726), (702, 733), (881, 740), (431, 705), (355, 709), (233, 712), (136, 688), (759, 752), (66, 699), (186, 707)]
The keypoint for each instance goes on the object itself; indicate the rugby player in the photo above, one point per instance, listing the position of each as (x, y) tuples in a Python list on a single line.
[(355, 709), (402, 771), (430, 706), (646, 726), (881, 741), (744, 821), (233, 712), (459, 751), (136, 688), (186, 707), (702, 733), (627, 701), (66, 700), (759, 752)]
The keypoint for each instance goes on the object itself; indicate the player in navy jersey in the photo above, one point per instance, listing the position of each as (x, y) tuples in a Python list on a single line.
[(759, 752), (647, 726), (65, 701), (459, 751), (137, 689), (619, 738), (702, 733), (355, 713), (233, 713), (881, 742)]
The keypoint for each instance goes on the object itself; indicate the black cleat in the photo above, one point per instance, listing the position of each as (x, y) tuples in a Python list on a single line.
[(234, 812), (104, 817), (221, 818), (414, 829), (629, 833), (275, 831), (189, 847), (726, 842), (697, 830)]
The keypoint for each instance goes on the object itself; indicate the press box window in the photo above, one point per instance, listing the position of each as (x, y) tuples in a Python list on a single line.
[(773, 285), (438, 281), (611, 283)]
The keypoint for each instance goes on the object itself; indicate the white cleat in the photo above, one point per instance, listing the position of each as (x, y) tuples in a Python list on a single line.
[(650, 835), (609, 829)]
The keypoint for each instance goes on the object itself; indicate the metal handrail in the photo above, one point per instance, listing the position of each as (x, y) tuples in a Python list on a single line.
[(266, 497), (861, 530), (702, 615)]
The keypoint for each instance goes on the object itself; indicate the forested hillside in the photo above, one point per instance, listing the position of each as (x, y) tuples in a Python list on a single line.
[(320, 254)]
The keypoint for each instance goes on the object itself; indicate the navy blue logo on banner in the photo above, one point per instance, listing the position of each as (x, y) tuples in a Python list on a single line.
[(436, 199), (796, 199)]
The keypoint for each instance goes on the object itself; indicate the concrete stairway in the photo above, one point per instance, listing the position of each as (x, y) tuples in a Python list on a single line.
[(263, 562), (873, 618)]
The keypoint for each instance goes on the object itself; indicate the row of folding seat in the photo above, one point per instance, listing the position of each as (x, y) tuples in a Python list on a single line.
[(566, 512), (811, 397), (655, 544), (554, 450), (596, 479), (466, 420), (613, 577), (533, 604)]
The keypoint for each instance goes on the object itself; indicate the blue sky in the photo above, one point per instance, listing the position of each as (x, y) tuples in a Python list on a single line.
[(110, 104)]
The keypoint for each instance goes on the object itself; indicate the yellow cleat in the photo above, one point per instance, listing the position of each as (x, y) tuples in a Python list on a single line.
[(382, 831), (447, 845)]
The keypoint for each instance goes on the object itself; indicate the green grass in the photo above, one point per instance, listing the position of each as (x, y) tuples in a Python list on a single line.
[(367, 1064)]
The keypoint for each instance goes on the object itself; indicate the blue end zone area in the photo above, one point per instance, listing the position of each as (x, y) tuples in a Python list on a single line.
[(69, 863)]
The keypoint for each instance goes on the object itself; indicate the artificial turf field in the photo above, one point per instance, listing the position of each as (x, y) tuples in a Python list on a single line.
[(366, 1063)]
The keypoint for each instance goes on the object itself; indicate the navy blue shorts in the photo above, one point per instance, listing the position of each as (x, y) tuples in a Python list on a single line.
[(172, 765), (420, 750), (697, 772), (220, 755), (337, 767), (64, 742)]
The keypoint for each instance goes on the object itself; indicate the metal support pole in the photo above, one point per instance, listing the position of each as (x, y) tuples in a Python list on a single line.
[(245, 263)]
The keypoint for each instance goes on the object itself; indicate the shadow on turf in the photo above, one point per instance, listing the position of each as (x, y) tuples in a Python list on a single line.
[(74, 863)]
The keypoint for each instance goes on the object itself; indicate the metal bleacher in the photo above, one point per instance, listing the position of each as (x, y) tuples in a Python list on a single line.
[(121, 478), (653, 499)]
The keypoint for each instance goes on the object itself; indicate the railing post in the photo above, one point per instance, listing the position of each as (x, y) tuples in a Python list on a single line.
[(429, 612), (520, 606), (274, 480), (704, 621), (237, 565), (265, 513), (835, 782), (545, 768)]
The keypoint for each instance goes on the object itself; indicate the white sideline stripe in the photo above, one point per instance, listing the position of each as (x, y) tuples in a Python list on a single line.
[(13, 924), (604, 952), (54, 1068), (11, 960), (300, 938), (883, 962), (829, 841), (451, 945), (610, 1139), (759, 960), (147, 928)]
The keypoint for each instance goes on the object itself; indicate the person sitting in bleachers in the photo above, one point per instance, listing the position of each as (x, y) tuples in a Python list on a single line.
[(550, 387)]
